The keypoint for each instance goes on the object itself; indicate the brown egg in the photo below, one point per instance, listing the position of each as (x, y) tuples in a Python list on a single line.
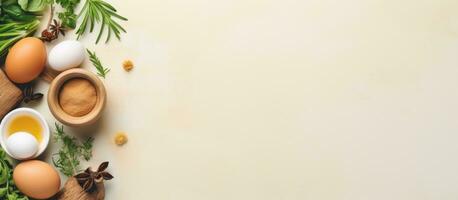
[(25, 60), (36, 179)]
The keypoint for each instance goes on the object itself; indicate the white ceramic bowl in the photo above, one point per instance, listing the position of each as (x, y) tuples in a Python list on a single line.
[(30, 112)]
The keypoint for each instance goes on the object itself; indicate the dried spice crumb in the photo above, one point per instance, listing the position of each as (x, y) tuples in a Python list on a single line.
[(128, 65), (120, 138)]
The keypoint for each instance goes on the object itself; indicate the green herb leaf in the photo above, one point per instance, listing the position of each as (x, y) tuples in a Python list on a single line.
[(101, 71), (68, 17), (3, 191), (86, 149), (68, 3), (11, 32), (33, 5), (67, 159), (15, 12), (8, 189), (3, 173), (100, 12)]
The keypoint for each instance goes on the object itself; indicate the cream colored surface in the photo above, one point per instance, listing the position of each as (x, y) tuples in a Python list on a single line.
[(270, 100)]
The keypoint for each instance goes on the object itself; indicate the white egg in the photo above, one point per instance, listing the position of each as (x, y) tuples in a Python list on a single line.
[(65, 55), (22, 145)]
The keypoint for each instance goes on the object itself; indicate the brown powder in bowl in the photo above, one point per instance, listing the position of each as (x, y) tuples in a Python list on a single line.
[(77, 97)]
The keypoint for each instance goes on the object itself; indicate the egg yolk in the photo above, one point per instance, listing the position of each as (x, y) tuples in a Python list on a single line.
[(27, 124)]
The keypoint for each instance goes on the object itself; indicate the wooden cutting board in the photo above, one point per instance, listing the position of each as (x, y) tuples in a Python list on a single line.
[(48, 75), (10, 95)]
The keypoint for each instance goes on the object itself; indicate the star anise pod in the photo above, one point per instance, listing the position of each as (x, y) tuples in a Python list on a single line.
[(88, 179), (29, 95), (53, 31), (57, 28)]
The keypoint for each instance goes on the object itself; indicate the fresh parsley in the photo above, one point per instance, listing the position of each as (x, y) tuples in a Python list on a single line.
[(67, 160), (68, 17), (8, 189)]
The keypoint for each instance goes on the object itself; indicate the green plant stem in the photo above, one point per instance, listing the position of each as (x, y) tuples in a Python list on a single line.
[(101, 71), (11, 32), (100, 12), (67, 159)]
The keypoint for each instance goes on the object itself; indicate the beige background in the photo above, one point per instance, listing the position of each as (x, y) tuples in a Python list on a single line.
[(290, 99)]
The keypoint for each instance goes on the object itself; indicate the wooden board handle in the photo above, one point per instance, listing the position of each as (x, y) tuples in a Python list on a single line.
[(48, 75)]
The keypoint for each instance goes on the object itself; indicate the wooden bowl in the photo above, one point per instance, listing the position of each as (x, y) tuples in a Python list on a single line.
[(60, 114)]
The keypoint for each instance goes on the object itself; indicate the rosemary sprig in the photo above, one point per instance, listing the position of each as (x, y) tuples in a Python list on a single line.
[(67, 160), (101, 71), (99, 11)]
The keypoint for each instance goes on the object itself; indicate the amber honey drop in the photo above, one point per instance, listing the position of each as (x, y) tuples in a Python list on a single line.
[(25, 123)]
